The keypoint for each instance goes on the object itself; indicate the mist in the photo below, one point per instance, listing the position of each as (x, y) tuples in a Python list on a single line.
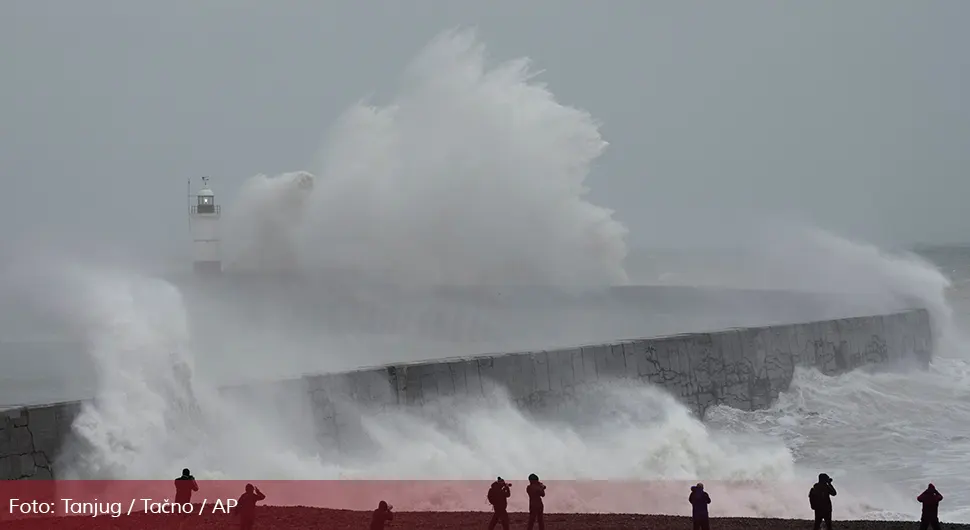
[(851, 117), (456, 218)]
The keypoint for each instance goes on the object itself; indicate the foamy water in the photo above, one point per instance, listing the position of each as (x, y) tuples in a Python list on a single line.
[(475, 175), (146, 423), (897, 430), (154, 414), (472, 174)]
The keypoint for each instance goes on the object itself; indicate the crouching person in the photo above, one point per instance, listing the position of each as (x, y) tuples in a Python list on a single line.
[(382, 514)]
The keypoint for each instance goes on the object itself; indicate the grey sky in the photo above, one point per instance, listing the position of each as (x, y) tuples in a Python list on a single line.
[(850, 114)]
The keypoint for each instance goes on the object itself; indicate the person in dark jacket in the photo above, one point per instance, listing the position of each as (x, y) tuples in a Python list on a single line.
[(246, 506), (184, 486), (820, 497), (536, 491), (382, 514), (699, 499), (498, 497), (931, 508)]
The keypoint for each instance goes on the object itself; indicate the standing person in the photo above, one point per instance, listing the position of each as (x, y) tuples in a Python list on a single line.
[(931, 508), (246, 506), (382, 514), (498, 497), (536, 491), (184, 486), (820, 497), (699, 499)]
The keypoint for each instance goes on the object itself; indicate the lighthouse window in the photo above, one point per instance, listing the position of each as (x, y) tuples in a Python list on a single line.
[(205, 200)]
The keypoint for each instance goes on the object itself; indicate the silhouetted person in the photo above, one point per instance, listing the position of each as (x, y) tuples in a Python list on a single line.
[(184, 486), (699, 499), (820, 497), (246, 506), (536, 491), (931, 508), (498, 497), (382, 514)]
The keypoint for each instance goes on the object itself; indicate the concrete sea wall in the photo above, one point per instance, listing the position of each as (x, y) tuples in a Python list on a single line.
[(744, 368), (31, 439)]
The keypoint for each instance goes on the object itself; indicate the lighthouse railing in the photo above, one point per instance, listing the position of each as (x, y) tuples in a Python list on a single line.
[(194, 210)]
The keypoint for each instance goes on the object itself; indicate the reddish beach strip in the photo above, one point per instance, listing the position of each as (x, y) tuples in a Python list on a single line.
[(284, 518)]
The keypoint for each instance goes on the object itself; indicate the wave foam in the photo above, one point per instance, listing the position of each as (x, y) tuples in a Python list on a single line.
[(890, 432), (153, 415), (471, 175)]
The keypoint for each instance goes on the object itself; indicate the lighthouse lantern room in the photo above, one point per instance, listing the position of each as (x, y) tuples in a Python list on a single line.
[(204, 216)]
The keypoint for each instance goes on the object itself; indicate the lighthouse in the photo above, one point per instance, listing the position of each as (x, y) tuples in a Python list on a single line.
[(204, 216)]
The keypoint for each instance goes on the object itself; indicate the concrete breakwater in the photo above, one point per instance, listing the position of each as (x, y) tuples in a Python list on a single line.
[(744, 368)]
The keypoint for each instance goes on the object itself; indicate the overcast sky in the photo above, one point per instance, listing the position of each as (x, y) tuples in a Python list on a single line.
[(848, 114)]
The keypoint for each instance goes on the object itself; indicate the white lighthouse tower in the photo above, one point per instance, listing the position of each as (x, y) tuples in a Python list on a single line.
[(204, 216)]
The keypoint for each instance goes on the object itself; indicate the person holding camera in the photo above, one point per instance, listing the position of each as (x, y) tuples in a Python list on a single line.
[(184, 486), (699, 499), (820, 497), (498, 496), (536, 491), (930, 499), (382, 514)]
